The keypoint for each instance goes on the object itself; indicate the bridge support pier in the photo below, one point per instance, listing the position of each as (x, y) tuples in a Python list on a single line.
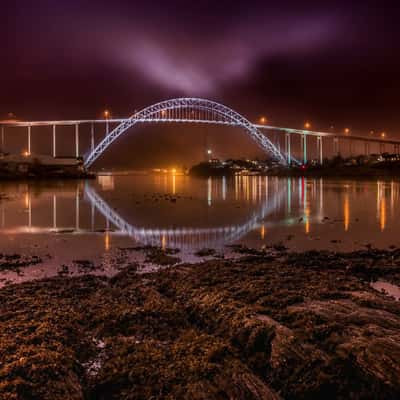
[(287, 148), (3, 131), (319, 147), (336, 149), (304, 139), (29, 139), (366, 146), (92, 136), (77, 140), (54, 140)]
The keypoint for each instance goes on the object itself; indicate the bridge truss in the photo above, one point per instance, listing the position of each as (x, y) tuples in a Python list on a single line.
[(188, 110)]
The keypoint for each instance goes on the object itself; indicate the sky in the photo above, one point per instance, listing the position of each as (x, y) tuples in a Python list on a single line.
[(328, 62)]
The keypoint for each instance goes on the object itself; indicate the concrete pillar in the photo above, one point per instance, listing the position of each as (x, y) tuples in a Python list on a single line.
[(336, 148), (366, 145), (92, 136), (304, 149), (54, 140), (29, 139), (3, 129), (77, 140), (320, 153), (288, 149)]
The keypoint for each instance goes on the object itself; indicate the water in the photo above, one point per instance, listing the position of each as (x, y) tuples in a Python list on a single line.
[(65, 221)]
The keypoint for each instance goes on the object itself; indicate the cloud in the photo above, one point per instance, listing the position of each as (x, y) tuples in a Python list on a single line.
[(204, 64)]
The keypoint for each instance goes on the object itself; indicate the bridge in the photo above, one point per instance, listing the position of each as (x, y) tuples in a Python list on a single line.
[(197, 111)]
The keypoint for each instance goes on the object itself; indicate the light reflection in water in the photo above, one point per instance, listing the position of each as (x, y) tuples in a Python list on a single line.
[(262, 233), (235, 207), (174, 184), (346, 211), (383, 214), (106, 240)]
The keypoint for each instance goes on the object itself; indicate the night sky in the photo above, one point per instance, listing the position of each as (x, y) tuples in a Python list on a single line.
[(333, 63)]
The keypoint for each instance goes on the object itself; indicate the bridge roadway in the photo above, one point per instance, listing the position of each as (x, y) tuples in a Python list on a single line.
[(198, 111), (26, 124)]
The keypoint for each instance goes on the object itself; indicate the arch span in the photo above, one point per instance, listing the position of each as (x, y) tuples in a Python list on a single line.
[(187, 110)]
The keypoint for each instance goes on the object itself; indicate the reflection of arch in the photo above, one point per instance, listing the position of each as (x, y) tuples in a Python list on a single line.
[(188, 110), (183, 237)]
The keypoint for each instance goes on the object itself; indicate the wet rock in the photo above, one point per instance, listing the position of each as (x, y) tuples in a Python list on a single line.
[(304, 325), (14, 262), (205, 252)]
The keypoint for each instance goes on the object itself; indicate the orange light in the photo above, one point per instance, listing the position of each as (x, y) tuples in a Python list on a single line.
[(26, 153), (307, 125), (263, 120), (107, 241), (262, 232), (106, 114), (383, 134), (347, 131)]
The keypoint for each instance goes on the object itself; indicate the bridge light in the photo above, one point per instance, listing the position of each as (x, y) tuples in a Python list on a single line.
[(347, 131), (307, 125), (383, 134), (263, 120), (209, 152), (25, 153), (106, 114)]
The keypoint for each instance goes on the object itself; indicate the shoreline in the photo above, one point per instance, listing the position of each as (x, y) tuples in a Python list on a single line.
[(270, 324)]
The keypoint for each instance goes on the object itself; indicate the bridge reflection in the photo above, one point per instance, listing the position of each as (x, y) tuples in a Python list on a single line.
[(85, 209)]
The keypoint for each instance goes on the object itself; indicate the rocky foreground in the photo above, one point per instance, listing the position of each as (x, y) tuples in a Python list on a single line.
[(268, 326)]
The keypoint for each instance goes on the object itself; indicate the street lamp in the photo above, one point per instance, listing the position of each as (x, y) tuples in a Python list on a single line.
[(307, 125), (209, 152), (347, 131), (383, 134), (107, 115), (263, 120)]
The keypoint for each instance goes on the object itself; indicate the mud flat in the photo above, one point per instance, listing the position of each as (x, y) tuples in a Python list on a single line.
[(268, 325)]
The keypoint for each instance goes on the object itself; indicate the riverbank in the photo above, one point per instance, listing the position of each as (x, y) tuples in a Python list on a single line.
[(268, 325), (330, 170), (36, 166)]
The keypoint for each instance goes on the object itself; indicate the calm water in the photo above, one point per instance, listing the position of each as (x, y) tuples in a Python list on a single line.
[(66, 221)]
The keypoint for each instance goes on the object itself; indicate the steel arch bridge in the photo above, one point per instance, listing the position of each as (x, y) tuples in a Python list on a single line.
[(187, 110)]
